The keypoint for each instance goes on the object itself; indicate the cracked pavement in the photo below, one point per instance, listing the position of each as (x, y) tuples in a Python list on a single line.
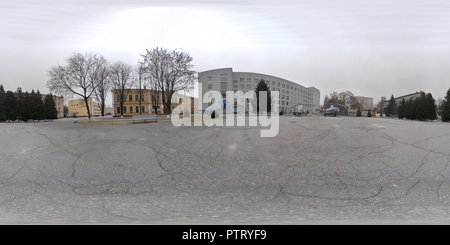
[(318, 170)]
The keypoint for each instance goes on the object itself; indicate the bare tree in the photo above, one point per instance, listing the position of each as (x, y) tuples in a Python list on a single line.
[(122, 80), (172, 72), (346, 98), (141, 77), (74, 78), (100, 74)]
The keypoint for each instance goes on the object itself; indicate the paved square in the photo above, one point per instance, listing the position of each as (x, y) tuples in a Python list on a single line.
[(318, 170)]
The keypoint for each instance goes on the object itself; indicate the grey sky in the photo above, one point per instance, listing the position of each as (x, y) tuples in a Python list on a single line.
[(372, 48)]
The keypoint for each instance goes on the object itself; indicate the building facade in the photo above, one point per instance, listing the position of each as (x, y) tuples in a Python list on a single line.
[(291, 93), (78, 108), (146, 101), (366, 102)]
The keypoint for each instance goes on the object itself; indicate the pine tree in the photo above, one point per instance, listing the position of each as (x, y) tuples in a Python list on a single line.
[(10, 106), (431, 107), (445, 115), (2, 109), (26, 107), (50, 111), (369, 113), (262, 86), (358, 112), (391, 106), (401, 109)]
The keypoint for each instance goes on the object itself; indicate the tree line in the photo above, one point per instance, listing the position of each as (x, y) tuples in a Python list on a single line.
[(91, 75), (25, 106)]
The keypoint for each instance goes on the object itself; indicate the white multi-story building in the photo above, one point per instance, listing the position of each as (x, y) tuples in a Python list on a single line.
[(291, 93), (366, 102)]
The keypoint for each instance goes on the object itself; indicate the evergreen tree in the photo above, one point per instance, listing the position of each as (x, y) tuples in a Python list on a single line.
[(26, 105), (401, 109), (409, 109), (37, 108), (2, 108), (358, 112), (10, 106), (391, 106), (369, 113), (421, 107), (262, 86), (431, 107), (50, 111), (445, 115)]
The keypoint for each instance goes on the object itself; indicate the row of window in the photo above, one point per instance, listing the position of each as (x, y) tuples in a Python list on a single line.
[(131, 109), (224, 86), (130, 98)]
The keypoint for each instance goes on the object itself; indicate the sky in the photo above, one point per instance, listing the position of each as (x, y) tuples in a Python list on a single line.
[(371, 48)]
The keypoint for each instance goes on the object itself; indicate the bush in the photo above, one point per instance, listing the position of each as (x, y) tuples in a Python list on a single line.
[(358, 113), (281, 113)]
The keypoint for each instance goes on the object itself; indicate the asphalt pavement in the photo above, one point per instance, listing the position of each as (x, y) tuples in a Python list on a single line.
[(317, 170)]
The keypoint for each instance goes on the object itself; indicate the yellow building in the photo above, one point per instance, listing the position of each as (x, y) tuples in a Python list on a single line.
[(132, 106), (78, 108)]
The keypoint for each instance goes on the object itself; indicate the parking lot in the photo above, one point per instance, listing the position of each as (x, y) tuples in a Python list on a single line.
[(317, 170)]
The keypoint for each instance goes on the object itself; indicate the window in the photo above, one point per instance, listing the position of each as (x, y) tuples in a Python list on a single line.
[(282, 86), (223, 86), (124, 109), (249, 86), (234, 81), (282, 102), (255, 80), (209, 79), (118, 99), (249, 80), (130, 98), (223, 77), (241, 80), (282, 97), (235, 86), (136, 97), (291, 87), (287, 97), (282, 91), (273, 84), (278, 84), (118, 110), (143, 109), (131, 109), (137, 108), (242, 86), (142, 97), (209, 86)]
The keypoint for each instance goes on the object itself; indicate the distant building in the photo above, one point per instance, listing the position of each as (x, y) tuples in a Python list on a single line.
[(366, 105), (366, 102), (109, 110), (135, 106), (291, 93), (78, 108), (397, 100)]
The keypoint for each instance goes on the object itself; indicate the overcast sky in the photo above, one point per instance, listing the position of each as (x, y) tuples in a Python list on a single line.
[(372, 48)]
